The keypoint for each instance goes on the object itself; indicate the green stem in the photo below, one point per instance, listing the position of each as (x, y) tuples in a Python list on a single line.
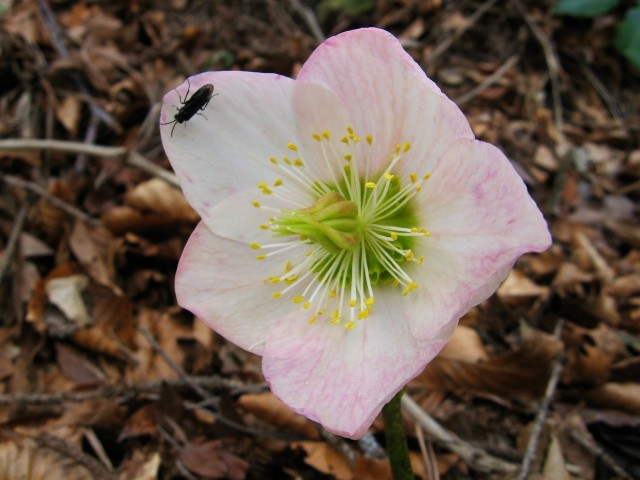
[(396, 440)]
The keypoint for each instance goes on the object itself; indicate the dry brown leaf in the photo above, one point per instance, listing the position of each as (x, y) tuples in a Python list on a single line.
[(555, 467), (93, 255), (270, 408), (68, 113), (213, 460), (66, 294), (23, 459), (140, 467), (76, 366), (621, 396), (141, 423), (518, 285), (522, 372), (158, 196), (372, 469), (465, 345), (325, 459), (569, 280)]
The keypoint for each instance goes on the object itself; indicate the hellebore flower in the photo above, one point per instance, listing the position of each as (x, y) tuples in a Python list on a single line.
[(349, 219)]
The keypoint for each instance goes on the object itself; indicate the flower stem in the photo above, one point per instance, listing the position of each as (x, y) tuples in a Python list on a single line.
[(396, 440)]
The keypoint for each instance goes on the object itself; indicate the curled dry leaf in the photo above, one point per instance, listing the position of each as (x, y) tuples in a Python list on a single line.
[(24, 459), (325, 459), (621, 396), (268, 407), (213, 460), (66, 294), (522, 372), (91, 248)]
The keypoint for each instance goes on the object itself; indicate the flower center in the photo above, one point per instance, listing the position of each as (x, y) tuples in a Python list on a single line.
[(358, 235)]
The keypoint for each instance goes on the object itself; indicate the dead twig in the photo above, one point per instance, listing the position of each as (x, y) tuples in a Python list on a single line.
[(601, 455), (132, 159), (553, 66), (58, 202), (446, 44), (12, 243), (474, 456), (122, 389), (532, 445), (309, 17), (487, 82)]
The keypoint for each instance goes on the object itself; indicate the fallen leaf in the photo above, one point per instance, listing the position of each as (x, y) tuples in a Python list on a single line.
[(325, 459), (66, 294), (213, 460)]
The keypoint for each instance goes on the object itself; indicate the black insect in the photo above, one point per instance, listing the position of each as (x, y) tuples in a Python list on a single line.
[(190, 106)]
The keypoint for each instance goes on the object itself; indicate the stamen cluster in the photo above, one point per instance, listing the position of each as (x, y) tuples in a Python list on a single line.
[(359, 234)]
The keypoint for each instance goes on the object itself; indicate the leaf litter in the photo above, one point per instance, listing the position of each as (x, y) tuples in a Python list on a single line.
[(86, 393)]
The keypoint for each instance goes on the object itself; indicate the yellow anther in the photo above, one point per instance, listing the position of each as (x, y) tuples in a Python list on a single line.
[(277, 182), (335, 316), (352, 303), (350, 129), (411, 286), (297, 299), (355, 138), (286, 160), (427, 176), (348, 157), (267, 191), (409, 255), (298, 162), (264, 227), (344, 139), (414, 229), (426, 233), (393, 235), (413, 177), (395, 283), (255, 203), (316, 137), (350, 325), (262, 185), (273, 160), (312, 320), (326, 134), (256, 246), (369, 139), (420, 259), (418, 187), (291, 279), (292, 146), (261, 257), (398, 148), (306, 305), (388, 176), (277, 294), (369, 301), (274, 279), (370, 185), (333, 294), (406, 146), (288, 266), (321, 312)]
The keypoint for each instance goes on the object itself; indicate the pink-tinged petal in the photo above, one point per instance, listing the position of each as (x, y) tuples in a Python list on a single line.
[(250, 119), (342, 378), (388, 96), (222, 283), (481, 220)]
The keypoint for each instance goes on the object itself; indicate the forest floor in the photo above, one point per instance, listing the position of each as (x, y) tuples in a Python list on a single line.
[(103, 376)]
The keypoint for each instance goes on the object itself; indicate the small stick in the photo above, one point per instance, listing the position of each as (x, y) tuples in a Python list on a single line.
[(472, 455), (487, 82), (446, 44), (58, 202), (12, 243), (600, 454), (133, 159), (312, 22), (532, 445)]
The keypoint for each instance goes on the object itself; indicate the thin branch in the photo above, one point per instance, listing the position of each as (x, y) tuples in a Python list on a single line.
[(532, 445), (58, 202), (601, 455), (446, 44), (487, 82), (553, 66), (12, 243), (118, 389), (130, 158), (309, 17), (474, 456)]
